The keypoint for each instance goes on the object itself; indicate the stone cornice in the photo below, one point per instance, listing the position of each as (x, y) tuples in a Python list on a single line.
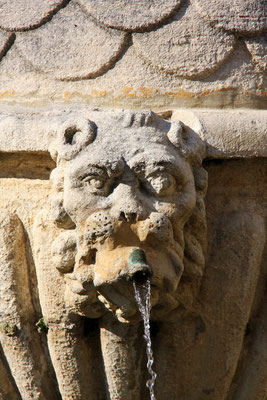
[(237, 133)]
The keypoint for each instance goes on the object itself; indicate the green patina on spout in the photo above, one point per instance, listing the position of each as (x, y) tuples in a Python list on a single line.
[(139, 270), (137, 256)]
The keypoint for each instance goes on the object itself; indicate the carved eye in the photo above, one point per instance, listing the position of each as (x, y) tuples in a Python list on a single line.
[(163, 184), (96, 184)]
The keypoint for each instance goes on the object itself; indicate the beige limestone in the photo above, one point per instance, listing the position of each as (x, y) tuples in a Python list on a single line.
[(75, 55), (209, 333), (29, 14), (246, 16), (236, 133), (130, 15), (190, 47), (227, 133), (101, 166), (6, 40), (18, 336), (257, 47), (185, 60), (82, 187)]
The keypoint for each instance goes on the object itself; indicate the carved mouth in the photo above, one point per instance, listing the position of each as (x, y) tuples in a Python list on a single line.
[(108, 266), (120, 300), (140, 277), (106, 269)]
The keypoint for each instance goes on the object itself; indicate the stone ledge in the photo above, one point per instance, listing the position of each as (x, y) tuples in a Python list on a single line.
[(237, 133)]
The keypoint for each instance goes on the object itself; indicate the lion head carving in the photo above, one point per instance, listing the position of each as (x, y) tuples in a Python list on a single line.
[(128, 180)]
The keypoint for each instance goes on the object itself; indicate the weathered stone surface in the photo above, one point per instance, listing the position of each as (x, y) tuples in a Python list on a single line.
[(6, 39), (69, 45), (258, 49), (8, 388), (228, 323), (74, 358), (130, 15), (186, 46), (254, 376), (19, 339), (122, 343), (246, 16), (94, 175), (202, 337), (100, 184), (234, 133), (27, 14), (228, 133), (134, 82), (201, 69), (123, 181)]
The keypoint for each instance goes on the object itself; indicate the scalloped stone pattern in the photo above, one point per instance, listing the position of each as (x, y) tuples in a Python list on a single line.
[(186, 47), (246, 16), (6, 40), (69, 46), (20, 15), (182, 52), (258, 48), (130, 15)]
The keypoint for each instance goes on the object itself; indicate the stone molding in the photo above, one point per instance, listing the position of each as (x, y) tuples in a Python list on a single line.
[(43, 29), (227, 133)]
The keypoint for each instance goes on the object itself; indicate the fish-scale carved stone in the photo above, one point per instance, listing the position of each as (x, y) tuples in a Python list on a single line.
[(27, 14), (244, 16), (6, 40), (257, 46), (187, 46), (130, 15), (72, 45)]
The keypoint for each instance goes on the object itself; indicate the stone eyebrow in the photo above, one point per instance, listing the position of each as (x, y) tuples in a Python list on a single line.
[(102, 168), (94, 170), (171, 165)]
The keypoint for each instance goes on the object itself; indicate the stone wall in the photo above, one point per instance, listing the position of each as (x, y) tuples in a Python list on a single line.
[(173, 53), (124, 125)]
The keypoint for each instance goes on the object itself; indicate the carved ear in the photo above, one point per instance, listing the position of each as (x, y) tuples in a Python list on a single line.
[(73, 136), (189, 144)]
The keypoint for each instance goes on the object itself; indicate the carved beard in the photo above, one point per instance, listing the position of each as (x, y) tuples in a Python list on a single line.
[(102, 261)]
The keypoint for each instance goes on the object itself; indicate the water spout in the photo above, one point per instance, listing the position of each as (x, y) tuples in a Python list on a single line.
[(142, 295), (139, 270)]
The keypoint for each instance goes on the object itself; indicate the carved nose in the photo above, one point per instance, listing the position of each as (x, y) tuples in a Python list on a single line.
[(127, 204), (128, 216)]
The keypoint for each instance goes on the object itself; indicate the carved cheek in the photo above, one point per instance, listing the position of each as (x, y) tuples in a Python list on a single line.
[(98, 226), (180, 207), (185, 202), (79, 204)]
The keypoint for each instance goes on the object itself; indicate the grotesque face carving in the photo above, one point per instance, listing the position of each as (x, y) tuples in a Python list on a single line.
[(130, 181)]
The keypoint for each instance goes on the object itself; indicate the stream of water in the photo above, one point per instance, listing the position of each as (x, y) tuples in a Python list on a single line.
[(142, 296)]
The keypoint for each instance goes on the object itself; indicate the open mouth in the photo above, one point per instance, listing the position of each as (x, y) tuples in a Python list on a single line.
[(110, 268), (122, 303)]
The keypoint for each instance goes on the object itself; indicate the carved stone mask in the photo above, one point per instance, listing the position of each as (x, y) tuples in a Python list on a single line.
[(130, 181)]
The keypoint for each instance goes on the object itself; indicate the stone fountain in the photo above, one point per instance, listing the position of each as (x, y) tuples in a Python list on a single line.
[(132, 162), (127, 182)]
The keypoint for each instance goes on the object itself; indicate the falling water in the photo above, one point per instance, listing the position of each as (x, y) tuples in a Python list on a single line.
[(142, 295)]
